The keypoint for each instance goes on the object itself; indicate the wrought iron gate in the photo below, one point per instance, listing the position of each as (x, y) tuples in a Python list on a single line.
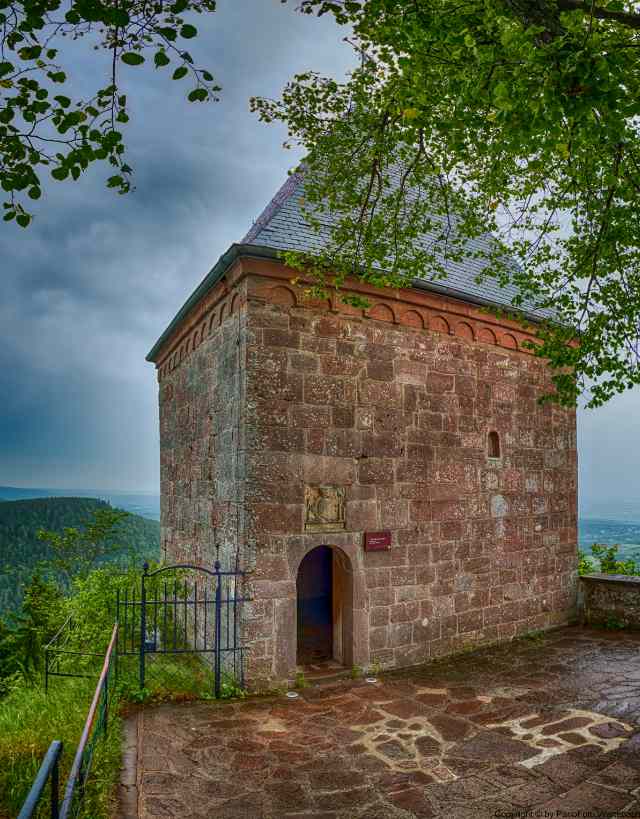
[(196, 615)]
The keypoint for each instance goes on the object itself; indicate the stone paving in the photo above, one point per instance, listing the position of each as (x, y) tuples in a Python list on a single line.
[(538, 728)]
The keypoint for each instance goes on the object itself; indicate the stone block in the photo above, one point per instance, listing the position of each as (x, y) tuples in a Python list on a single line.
[(275, 517), (399, 634), (378, 577), (470, 621), (394, 513), (324, 389), (438, 382), (310, 416), (279, 385), (343, 443), (361, 516), (378, 392), (280, 337), (380, 370), (375, 471), (411, 372), (303, 362), (343, 416), (341, 365), (378, 638), (379, 616)]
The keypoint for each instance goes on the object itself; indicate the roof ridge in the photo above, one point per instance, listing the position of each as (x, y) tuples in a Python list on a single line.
[(281, 196)]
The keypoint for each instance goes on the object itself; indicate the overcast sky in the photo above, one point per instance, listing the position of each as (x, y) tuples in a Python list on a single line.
[(91, 285)]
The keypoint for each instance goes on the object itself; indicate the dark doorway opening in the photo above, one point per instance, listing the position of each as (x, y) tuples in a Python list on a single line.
[(315, 606)]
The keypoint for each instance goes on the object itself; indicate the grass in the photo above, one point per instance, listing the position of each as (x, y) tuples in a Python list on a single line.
[(300, 680), (29, 721)]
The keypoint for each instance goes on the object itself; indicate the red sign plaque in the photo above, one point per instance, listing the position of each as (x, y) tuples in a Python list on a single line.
[(377, 541)]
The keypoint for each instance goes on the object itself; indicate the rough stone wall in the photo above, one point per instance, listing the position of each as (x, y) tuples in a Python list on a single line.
[(612, 600), (399, 416), (263, 395), (201, 408)]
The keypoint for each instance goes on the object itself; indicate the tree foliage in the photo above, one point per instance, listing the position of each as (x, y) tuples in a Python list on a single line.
[(76, 551), (22, 551), (608, 562), (22, 640), (42, 128), (502, 130)]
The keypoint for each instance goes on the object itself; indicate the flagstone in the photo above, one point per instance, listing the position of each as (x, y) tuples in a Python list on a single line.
[(394, 750)]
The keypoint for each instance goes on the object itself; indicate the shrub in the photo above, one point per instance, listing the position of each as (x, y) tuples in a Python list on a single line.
[(607, 557)]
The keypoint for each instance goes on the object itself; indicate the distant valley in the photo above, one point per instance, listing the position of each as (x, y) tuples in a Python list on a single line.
[(21, 550), (145, 504)]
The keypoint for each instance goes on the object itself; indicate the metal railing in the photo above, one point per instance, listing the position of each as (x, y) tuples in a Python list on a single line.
[(198, 615), (95, 726), (50, 769), (59, 660)]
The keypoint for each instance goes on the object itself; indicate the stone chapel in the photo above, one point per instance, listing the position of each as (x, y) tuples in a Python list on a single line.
[(385, 477)]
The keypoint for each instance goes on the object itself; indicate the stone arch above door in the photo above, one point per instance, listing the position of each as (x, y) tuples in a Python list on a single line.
[(352, 618)]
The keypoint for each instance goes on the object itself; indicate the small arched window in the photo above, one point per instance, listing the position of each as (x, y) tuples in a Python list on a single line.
[(493, 445)]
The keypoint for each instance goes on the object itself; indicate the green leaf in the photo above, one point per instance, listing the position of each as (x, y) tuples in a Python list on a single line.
[(188, 32), (198, 95), (119, 17), (9, 216), (181, 72), (23, 219), (30, 53), (59, 173), (160, 59), (168, 33), (34, 192), (132, 58), (64, 102)]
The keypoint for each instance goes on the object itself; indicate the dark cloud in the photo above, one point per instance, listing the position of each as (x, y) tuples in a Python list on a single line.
[(89, 288)]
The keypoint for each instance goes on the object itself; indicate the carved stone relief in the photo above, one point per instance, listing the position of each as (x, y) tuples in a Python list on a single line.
[(324, 508)]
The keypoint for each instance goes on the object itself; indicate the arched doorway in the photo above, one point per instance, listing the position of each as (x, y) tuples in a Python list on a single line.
[(325, 607)]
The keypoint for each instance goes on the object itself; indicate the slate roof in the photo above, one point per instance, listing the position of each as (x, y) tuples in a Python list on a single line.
[(282, 226)]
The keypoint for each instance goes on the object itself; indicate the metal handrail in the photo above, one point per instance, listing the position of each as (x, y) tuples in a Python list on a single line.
[(49, 769), (58, 633), (54, 652), (78, 774)]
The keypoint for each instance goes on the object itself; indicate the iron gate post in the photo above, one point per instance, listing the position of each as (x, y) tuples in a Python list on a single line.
[(217, 630), (143, 621)]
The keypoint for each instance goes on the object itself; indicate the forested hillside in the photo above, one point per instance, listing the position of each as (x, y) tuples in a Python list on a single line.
[(20, 549)]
